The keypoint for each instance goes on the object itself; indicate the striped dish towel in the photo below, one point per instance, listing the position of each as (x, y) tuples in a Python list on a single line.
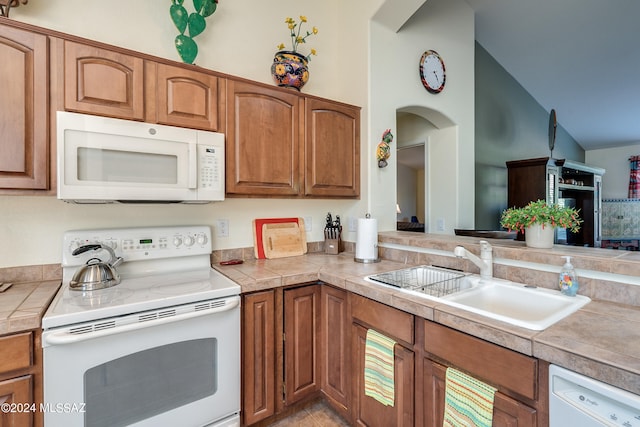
[(379, 382), (467, 402)]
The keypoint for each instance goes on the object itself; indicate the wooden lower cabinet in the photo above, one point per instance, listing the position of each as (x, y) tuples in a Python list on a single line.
[(335, 361), (507, 412), (322, 351), (280, 337), (368, 411), (399, 326), (21, 379), (258, 356), (301, 331), (17, 391)]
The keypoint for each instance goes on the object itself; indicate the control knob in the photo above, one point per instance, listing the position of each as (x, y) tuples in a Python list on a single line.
[(189, 241), (201, 239), (177, 241)]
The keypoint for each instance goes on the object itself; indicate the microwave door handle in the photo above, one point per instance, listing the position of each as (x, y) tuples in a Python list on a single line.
[(193, 167), (64, 337)]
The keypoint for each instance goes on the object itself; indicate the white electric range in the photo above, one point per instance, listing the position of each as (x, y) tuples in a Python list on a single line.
[(160, 348)]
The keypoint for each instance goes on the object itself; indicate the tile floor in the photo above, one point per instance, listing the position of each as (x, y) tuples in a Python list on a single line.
[(317, 415)]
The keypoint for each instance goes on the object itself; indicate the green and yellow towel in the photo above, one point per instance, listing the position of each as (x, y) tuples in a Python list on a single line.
[(467, 402), (379, 382)]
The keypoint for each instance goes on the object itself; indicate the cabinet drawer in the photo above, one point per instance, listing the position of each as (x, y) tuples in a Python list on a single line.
[(384, 319), (15, 352), (489, 362)]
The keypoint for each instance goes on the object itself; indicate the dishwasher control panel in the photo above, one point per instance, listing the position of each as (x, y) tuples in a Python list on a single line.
[(576, 398)]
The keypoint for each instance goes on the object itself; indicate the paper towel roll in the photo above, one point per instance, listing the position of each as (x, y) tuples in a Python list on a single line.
[(367, 240)]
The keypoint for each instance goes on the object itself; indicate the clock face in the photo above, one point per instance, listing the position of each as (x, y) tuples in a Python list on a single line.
[(432, 71)]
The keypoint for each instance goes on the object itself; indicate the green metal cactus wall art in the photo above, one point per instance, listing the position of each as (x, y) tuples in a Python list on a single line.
[(190, 25)]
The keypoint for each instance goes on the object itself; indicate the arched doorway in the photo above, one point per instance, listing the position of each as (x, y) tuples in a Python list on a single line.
[(417, 128)]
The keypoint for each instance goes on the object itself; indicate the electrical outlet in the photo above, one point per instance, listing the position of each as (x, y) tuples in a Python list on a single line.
[(222, 228), (308, 223), (440, 224), (353, 223)]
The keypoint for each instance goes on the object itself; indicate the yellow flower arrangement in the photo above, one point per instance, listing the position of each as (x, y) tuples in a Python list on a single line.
[(297, 38)]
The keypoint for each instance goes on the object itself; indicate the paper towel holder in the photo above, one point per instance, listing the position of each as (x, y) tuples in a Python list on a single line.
[(374, 256)]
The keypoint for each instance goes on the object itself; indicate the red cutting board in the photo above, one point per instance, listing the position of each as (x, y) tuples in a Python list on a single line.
[(258, 244)]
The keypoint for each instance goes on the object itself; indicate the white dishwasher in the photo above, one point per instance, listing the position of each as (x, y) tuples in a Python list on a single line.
[(576, 400)]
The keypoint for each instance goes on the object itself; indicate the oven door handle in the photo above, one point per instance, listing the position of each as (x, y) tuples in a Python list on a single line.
[(64, 337)]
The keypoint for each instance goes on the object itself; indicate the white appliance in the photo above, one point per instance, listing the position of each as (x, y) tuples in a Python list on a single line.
[(161, 348), (576, 400), (105, 160)]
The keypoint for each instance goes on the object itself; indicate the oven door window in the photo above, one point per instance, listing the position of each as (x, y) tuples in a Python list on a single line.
[(150, 382)]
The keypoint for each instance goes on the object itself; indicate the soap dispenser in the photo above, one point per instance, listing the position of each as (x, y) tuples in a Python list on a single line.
[(568, 280)]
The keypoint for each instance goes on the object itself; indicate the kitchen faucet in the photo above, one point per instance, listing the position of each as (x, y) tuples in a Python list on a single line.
[(485, 262)]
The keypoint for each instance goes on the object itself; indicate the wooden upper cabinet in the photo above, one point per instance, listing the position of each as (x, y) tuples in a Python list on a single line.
[(24, 123), (103, 82), (263, 141), (332, 148), (280, 143), (182, 97)]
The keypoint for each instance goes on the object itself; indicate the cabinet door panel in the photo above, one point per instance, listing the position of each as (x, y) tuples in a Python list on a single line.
[(24, 143), (301, 328), (15, 352), (504, 367), (99, 81), (186, 98), (368, 411), (263, 141), (258, 356), (507, 412), (18, 391), (332, 149), (335, 370), (390, 321)]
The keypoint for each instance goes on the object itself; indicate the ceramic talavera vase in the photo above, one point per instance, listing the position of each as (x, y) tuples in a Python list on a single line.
[(290, 69), (536, 236)]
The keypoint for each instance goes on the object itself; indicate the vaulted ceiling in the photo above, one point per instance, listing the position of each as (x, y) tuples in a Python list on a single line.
[(579, 57)]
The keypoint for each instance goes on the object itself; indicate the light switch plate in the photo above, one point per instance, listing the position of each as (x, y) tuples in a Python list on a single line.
[(353, 223)]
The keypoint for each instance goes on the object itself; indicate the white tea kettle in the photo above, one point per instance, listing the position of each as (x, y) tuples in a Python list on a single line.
[(96, 274)]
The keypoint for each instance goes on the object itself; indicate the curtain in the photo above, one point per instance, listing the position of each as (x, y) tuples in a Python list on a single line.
[(634, 177)]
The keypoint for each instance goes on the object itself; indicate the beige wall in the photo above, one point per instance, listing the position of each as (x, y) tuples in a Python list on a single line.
[(615, 161), (240, 39), (446, 26)]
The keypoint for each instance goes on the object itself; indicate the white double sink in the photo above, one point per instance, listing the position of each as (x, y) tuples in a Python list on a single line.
[(515, 303)]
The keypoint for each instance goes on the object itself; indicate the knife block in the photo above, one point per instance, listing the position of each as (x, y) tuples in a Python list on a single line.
[(332, 246)]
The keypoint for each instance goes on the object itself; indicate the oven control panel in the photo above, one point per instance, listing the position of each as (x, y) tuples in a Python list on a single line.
[(135, 244)]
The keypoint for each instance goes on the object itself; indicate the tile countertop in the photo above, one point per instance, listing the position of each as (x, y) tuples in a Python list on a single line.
[(600, 341), (23, 305)]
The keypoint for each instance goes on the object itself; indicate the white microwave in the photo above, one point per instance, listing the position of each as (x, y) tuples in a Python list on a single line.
[(105, 160)]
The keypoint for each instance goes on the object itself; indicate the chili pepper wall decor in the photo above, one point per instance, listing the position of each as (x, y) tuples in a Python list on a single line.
[(383, 151)]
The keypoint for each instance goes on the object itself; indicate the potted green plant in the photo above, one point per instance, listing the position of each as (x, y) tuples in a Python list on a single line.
[(538, 220)]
